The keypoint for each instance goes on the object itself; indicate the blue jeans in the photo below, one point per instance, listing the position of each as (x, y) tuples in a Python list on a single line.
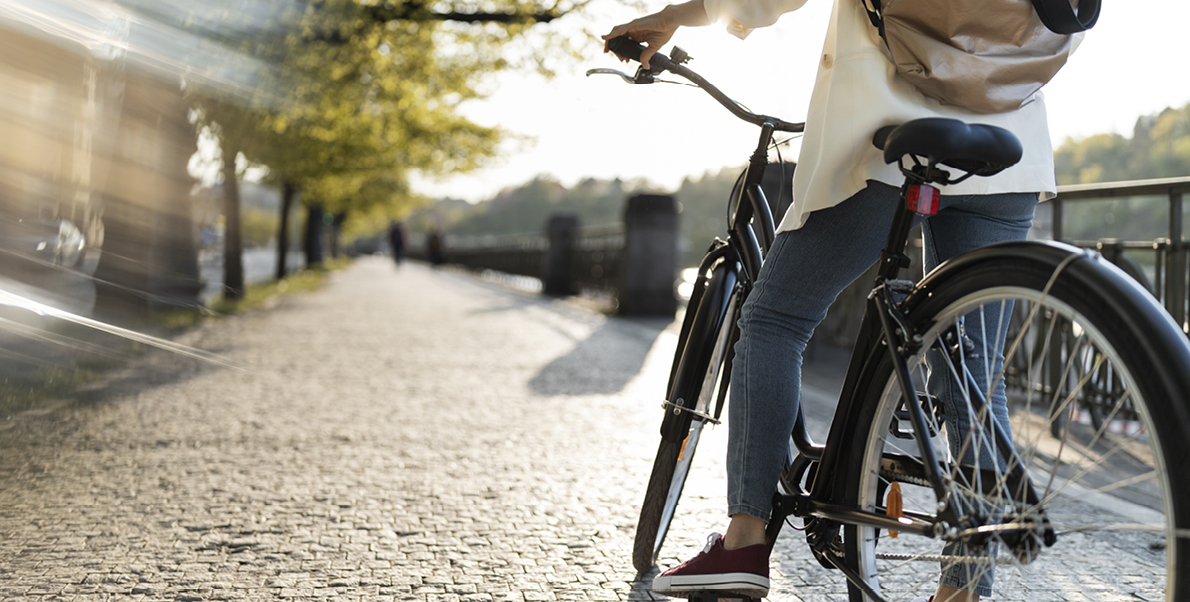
[(803, 273)]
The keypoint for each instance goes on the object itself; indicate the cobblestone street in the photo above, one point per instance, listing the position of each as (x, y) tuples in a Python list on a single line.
[(398, 435), (407, 435)]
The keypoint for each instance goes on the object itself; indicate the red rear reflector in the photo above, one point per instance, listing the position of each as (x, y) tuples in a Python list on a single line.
[(923, 199)]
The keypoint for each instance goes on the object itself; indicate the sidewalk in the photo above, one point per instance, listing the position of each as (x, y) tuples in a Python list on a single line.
[(401, 434), (410, 435)]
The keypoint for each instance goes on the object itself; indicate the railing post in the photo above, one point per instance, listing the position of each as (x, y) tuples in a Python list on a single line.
[(1056, 218), (1175, 292), (650, 256), (562, 231)]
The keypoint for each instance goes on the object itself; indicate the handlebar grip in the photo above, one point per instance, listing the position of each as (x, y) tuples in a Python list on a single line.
[(628, 49), (625, 48)]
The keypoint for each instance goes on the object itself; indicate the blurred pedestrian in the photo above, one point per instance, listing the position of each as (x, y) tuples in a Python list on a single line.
[(396, 241), (435, 246)]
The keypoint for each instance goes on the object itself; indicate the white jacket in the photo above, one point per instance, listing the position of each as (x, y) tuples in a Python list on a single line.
[(857, 91)]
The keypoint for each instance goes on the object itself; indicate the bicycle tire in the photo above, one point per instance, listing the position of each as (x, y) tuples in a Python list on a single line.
[(1117, 494), (702, 373)]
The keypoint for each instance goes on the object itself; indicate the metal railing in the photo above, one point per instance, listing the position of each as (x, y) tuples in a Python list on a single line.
[(1169, 253), (632, 264), (596, 255), (597, 259), (1067, 360), (523, 255)]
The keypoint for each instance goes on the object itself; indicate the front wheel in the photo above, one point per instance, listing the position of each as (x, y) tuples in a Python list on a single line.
[(1114, 486), (698, 386)]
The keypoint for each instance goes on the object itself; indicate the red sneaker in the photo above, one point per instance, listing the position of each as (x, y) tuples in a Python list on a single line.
[(743, 572)]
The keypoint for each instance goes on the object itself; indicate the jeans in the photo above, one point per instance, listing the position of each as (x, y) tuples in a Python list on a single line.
[(804, 272)]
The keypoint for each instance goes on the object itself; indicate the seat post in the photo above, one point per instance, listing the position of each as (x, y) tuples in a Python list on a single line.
[(917, 198), (893, 258)]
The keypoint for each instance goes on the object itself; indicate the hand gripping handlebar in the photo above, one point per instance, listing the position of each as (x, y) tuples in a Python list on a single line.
[(659, 62)]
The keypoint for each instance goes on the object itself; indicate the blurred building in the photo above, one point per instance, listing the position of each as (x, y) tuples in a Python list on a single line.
[(94, 188)]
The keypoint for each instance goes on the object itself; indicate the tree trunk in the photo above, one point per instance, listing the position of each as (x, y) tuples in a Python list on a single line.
[(288, 192), (336, 231), (233, 244), (313, 246)]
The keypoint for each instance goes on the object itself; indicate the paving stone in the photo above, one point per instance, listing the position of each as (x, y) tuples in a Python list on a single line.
[(413, 435)]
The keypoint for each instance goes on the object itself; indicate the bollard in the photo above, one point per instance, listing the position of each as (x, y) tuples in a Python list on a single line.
[(650, 256), (561, 231)]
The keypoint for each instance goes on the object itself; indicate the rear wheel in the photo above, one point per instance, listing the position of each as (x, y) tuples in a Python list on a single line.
[(1113, 484), (699, 393)]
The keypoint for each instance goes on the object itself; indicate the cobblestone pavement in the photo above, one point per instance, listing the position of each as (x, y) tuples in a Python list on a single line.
[(410, 435), (399, 435)]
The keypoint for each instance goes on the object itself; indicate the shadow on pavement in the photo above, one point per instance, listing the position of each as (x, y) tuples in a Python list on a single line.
[(603, 363), (642, 587)]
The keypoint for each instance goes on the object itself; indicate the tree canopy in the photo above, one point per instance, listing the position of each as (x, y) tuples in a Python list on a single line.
[(357, 94), (1159, 148), (351, 96)]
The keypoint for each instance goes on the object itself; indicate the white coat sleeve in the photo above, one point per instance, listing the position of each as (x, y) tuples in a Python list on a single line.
[(742, 16)]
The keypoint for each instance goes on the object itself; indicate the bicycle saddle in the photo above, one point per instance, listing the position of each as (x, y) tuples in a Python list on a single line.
[(982, 150)]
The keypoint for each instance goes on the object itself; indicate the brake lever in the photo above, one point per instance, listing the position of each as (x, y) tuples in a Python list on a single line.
[(622, 75), (643, 76)]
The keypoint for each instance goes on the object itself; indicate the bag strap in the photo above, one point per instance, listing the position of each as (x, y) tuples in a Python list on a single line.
[(1059, 17), (875, 16)]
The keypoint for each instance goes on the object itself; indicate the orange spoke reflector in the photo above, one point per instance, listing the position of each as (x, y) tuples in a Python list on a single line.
[(894, 507), (682, 452)]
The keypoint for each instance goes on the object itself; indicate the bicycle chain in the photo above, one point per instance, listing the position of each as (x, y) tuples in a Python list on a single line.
[(939, 558), (904, 478)]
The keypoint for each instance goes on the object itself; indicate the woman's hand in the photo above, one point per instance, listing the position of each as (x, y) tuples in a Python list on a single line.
[(655, 30)]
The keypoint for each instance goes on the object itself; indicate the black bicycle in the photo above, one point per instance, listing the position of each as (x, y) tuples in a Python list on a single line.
[(1052, 503)]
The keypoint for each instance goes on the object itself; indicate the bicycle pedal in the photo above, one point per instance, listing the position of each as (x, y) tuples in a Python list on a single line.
[(929, 404)]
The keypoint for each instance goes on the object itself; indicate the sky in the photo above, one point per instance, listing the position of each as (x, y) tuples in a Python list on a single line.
[(1135, 62)]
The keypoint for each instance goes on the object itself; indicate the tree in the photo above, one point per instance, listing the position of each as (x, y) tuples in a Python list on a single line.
[(357, 95), (1159, 148)]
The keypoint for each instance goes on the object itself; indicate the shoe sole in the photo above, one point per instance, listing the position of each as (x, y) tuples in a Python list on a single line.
[(740, 584)]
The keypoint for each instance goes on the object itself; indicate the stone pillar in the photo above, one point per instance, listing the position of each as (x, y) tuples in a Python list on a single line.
[(561, 231), (650, 256)]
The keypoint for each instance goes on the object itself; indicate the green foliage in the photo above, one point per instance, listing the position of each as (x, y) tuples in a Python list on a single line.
[(1100, 158), (1159, 148), (356, 94), (262, 294), (259, 227), (255, 297), (40, 386)]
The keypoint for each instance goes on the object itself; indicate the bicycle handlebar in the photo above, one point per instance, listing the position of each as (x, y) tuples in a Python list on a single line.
[(628, 49), (659, 62)]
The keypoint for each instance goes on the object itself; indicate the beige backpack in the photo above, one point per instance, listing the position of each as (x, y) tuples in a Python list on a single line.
[(988, 56)]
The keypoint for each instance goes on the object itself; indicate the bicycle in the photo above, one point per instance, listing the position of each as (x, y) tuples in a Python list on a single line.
[(896, 481)]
